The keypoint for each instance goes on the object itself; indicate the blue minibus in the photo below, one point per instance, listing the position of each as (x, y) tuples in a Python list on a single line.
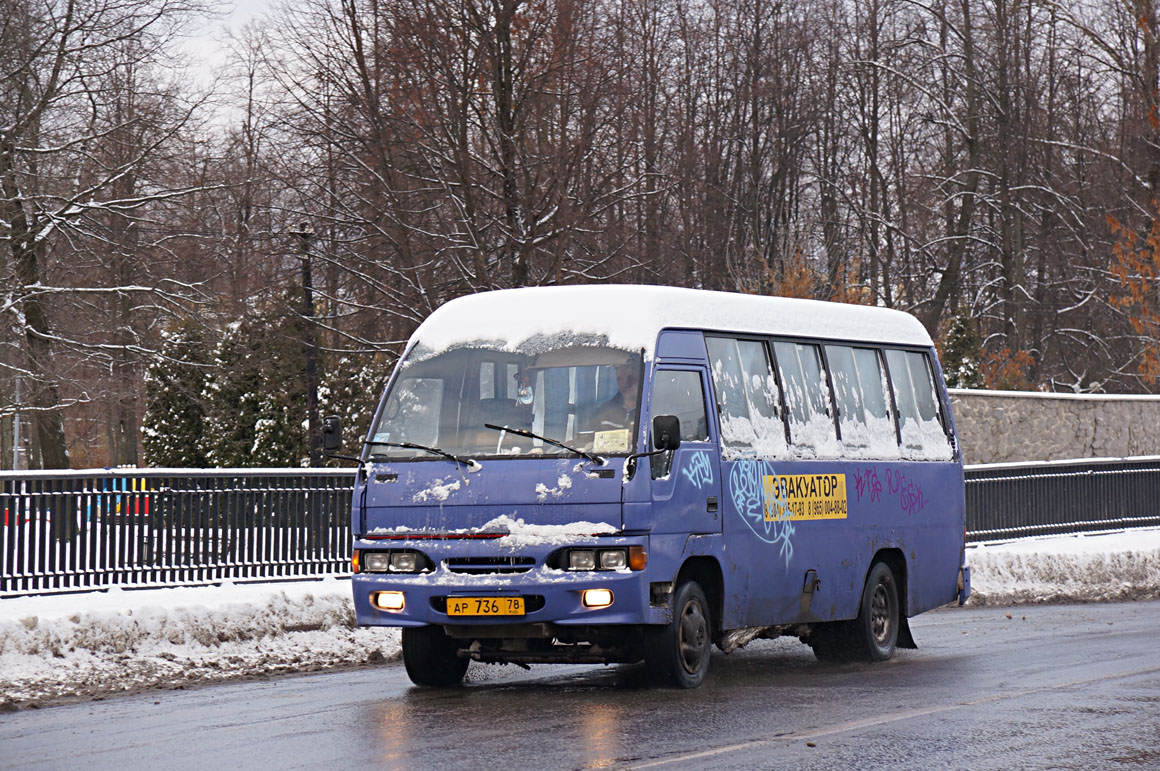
[(615, 474)]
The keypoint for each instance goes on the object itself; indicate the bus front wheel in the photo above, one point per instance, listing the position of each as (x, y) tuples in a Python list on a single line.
[(431, 657), (678, 653)]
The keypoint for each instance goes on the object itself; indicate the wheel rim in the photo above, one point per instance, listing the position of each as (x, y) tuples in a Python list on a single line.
[(881, 623), (693, 636)]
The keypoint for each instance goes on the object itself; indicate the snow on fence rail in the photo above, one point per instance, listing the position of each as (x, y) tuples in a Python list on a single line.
[(81, 530)]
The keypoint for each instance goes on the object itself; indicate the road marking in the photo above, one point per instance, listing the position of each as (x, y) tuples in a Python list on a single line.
[(893, 717)]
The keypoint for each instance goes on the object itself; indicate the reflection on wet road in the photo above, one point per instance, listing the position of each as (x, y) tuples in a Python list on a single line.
[(1052, 687)]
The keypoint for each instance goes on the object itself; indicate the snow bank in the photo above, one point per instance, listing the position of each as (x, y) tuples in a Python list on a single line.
[(1074, 568), (85, 645)]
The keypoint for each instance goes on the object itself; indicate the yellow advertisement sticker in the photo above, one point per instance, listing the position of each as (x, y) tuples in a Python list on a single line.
[(804, 496)]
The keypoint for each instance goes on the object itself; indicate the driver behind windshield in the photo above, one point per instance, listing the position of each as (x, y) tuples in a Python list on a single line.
[(619, 412)]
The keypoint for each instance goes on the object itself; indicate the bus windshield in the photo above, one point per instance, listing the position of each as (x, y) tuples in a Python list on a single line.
[(459, 401)]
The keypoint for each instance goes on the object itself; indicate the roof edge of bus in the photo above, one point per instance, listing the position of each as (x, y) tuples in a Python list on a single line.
[(630, 316)]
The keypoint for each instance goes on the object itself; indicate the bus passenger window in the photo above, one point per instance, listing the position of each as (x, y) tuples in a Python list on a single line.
[(747, 396), (860, 389), (807, 397), (487, 380), (920, 424), (679, 392), (873, 382)]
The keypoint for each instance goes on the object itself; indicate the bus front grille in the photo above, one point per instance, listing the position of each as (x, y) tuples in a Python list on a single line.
[(489, 565)]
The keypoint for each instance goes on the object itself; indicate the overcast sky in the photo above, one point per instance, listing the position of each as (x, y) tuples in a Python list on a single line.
[(206, 46)]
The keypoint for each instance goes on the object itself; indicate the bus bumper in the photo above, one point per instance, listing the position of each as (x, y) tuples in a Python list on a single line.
[(549, 596)]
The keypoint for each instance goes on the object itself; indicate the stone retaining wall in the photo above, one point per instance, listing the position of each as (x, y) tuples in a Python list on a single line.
[(1015, 426)]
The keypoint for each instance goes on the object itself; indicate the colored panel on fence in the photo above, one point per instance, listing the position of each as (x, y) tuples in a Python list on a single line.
[(69, 531)]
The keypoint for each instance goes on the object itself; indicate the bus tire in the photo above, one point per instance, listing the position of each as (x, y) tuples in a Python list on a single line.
[(678, 653), (875, 631), (431, 657)]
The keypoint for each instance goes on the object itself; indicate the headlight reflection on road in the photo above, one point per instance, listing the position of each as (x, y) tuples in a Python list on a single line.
[(602, 733), (395, 738)]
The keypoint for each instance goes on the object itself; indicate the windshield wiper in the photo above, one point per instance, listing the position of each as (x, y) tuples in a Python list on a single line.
[(520, 432), (433, 450)]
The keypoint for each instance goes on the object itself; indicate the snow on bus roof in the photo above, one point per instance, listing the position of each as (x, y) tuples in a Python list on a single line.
[(630, 316)]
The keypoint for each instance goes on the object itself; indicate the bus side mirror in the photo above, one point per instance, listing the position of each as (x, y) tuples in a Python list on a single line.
[(331, 433), (666, 432)]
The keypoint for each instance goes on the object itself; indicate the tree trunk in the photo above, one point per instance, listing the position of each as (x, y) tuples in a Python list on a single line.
[(45, 393)]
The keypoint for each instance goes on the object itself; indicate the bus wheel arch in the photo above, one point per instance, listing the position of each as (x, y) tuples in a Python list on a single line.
[(880, 626), (707, 573), (678, 652)]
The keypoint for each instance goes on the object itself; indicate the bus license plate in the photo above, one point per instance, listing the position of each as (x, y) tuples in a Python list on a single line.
[(485, 606)]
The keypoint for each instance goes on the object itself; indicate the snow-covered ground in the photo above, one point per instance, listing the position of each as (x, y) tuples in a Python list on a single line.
[(87, 645), (1124, 565)]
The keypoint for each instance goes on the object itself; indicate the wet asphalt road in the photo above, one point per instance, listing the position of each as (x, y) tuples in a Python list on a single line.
[(1050, 687)]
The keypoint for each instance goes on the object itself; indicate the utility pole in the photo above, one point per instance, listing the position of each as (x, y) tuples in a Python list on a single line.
[(310, 349)]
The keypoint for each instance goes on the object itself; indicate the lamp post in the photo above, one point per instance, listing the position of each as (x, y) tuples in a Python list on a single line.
[(310, 349), (16, 438)]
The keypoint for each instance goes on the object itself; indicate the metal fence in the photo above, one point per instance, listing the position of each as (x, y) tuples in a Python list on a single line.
[(78, 530), (1012, 500)]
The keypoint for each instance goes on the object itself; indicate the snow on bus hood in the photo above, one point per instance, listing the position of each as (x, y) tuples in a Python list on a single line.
[(520, 533), (529, 520), (437, 497)]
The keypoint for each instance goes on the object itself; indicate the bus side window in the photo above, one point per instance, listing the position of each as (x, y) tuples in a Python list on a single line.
[(919, 421), (807, 397), (747, 396), (679, 392), (860, 388)]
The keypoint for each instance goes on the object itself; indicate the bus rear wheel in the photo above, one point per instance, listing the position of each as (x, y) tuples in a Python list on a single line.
[(876, 628), (873, 635), (431, 657), (678, 653)]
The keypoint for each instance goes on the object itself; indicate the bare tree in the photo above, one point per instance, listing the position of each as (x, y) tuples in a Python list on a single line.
[(79, 122)]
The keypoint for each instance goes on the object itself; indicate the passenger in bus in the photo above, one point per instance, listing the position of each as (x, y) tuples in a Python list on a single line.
[(620, 411)]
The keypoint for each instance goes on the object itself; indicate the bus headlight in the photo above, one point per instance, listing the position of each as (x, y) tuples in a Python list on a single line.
[(613, 559), (404, 562), (393, 562), (376, 561), (582, 559), (617, 558)]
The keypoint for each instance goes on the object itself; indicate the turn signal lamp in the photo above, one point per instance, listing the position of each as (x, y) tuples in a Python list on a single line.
[(596, 598), (389, 601), (354, 561), (637, 557)]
